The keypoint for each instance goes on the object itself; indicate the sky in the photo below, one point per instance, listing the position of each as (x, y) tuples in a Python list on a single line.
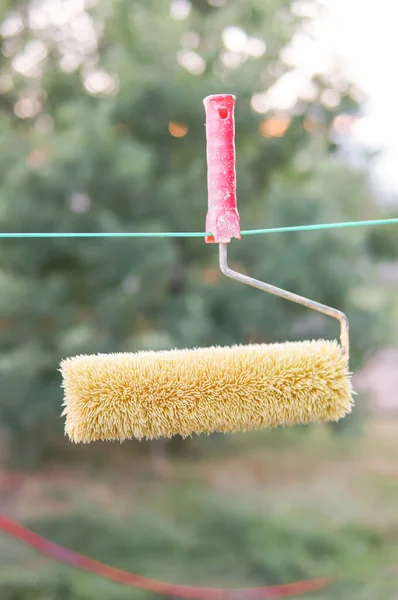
[(364, 34)]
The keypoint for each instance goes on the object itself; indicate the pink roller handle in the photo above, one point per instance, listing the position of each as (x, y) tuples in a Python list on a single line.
[(222, 218)]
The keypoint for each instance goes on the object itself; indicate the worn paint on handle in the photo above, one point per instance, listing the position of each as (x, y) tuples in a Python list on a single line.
[(222, 218)]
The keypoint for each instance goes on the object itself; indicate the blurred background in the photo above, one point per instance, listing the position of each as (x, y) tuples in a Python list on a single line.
[(102, 130)]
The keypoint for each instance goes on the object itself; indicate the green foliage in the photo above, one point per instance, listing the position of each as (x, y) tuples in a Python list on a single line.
[(35, 588), (105, 161), (273, 514), (383, 243), (206, 541)]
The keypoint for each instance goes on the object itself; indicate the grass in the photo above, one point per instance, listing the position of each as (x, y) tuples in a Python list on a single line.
[(255, 509)]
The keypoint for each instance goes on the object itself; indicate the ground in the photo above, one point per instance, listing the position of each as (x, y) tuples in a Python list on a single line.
[(315, 479)]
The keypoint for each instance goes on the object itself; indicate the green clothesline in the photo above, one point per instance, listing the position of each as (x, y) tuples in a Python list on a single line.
[(155, 234)]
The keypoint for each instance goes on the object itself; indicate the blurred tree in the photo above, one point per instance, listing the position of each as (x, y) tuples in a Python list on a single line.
[(102, 129)]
